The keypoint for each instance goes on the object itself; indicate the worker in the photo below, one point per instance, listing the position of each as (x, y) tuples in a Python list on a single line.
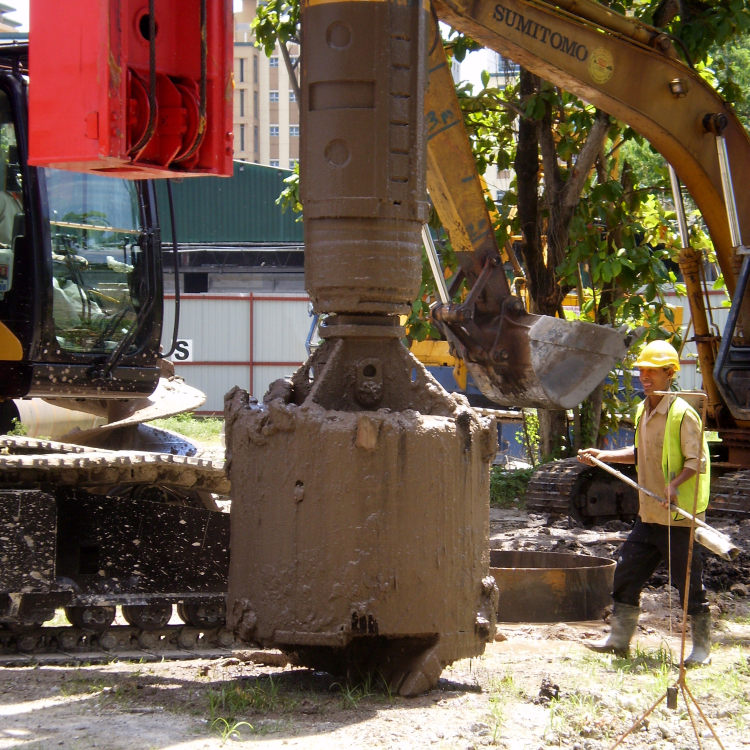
[(671, 456)]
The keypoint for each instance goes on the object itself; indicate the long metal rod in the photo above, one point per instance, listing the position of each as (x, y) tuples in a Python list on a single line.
[(679, 207), (434, 261), (725, 548), (726, 185)]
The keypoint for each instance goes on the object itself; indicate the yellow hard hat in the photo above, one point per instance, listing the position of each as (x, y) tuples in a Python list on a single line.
[(658, 354)]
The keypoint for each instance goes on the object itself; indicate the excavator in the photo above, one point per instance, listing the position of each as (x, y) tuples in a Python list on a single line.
[(89, 528)]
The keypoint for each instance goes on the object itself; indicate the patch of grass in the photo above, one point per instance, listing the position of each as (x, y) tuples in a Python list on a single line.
[(502, 691), (729, 683), (81, 684), (642, 661), (234, 699), (508, 488), (202, 429), (351, 693), (580, 714), (738, 618)]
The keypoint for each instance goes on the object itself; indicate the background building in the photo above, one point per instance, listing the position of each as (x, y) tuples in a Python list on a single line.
[(266, 111), (7, 24)]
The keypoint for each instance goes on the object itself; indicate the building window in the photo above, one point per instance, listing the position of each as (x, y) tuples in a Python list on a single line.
[(256, 141), (294, 131), (242, 70), (273, 62), (256, 106), (274, 131), (242, 138), (274, 162), (293, 163), (242, 102), (292, 96), (255, 69), (273, 97)]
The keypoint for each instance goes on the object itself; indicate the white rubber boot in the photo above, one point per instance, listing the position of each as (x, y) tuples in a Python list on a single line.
[(622, 627), (700, 627)]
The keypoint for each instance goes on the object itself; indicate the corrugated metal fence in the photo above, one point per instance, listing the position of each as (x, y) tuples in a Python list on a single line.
[(252, 339), (247, 340)]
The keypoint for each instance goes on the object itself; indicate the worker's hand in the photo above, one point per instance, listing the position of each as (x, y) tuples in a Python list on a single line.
[(671, 495), (585, 454)]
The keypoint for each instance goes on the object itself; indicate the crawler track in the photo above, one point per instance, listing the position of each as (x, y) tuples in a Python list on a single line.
[(92, 529), (730, 494), (552, 487), (590, 495), (26, 462), (586, 493), (70, 645)]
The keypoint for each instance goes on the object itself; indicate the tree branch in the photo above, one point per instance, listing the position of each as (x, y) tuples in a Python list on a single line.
[(585, 161)]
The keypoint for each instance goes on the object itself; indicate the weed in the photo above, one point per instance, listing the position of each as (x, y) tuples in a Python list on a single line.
[(581, 714), (502, 691), (642, 660), (227, 730), (730, 683)]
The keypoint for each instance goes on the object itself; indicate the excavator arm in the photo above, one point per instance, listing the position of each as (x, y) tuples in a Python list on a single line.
[(631, 72), (514, 357)]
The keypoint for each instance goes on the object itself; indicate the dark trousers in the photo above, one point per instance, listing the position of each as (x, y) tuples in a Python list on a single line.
[(646, 546)]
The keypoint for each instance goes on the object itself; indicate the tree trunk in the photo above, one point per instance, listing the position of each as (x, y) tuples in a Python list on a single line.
[(553, 433)]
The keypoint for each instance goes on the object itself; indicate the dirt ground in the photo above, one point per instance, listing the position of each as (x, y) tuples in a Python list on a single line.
[(536, 686)]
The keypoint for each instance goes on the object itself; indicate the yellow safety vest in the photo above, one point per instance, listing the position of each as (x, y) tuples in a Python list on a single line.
[(672, 459)]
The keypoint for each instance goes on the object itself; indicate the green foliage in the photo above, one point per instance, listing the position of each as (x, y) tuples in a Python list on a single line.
[(351, 693), (235, 699), (18, 428), (289, 199), (508, 487), (731, 64), (276, 21), (529, 437)]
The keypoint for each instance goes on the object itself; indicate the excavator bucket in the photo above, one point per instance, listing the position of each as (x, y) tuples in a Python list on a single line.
[(540, 361)]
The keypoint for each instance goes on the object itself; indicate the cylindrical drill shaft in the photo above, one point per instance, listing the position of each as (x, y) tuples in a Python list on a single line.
[(362, 153)]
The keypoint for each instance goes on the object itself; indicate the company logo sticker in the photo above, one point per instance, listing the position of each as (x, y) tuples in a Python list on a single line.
[(601, 64)]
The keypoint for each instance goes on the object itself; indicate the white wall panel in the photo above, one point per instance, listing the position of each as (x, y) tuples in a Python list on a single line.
[(280, 328), (219, 328), (219, 331), (214, 381)]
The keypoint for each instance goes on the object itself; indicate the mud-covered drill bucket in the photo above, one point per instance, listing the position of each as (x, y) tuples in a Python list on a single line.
[(550, 586)]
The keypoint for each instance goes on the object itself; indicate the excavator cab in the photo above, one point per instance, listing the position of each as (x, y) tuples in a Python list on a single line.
[(79, 270)]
